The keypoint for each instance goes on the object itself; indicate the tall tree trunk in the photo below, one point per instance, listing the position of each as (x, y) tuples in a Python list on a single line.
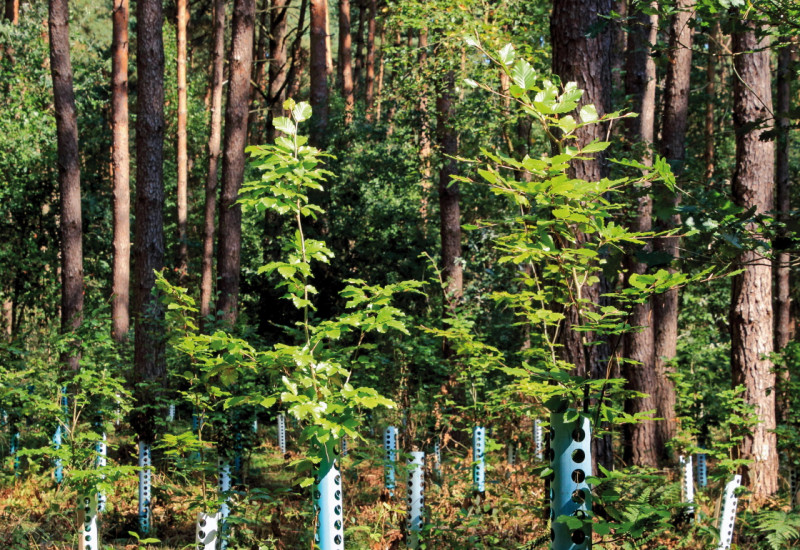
[(261, 57), (183, 158), (783, 324), (69, 174), (294, 78), (233, 159), (318, 71), (582, 55), (345, 60), (642, 445), (711, 92), (358, 65), (425, 139), (12, 11), (449, 208), (328, 47), (369, 81), (148, 245), (214, 138), (120, 173), (673, 145), (751, 302), (278, 68)]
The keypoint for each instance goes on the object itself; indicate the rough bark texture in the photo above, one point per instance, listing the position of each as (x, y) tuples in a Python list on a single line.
[(582, 55), (214, 138), (148, 245), (345, 60), (358, 65), (69, 174), (318, 72), (642, 446), (449, 208), (12, 11), (711, 91), (369, 77), (233, 159), (120, 174), (783, 320), (672, 147), (278, 68), (751, 301), (294, 78), (182, 199)]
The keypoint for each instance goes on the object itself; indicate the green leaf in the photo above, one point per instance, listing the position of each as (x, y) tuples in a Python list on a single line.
[(285, 125), (302, 111), (588, 114), (507, 54)]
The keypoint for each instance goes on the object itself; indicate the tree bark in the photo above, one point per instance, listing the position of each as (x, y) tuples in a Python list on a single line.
[(120, 174), (711, 92), (294, 78), (233, 159), (69, 175), (345, 60), (318, 72), (369, 81), (449, 208), (751, 303), (672, 147), (148, 246), (583, 56), (182, 200), (642, 445), (783, 322), (12, 11), (261, 57), (359, 63), (214, 138), (278, 69), (328, 47)]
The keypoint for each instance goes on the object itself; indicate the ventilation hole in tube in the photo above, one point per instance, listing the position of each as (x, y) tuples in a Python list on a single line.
[(578, 435), (578, 536), (578, 476), (578, 455)]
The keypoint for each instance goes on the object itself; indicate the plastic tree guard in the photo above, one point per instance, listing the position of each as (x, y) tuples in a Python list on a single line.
[(14, 446), (390, 446), (479, 459), (207, 531), (511, 453), (255, 426), (437, 459), (344, 445), (100, 462), (329, 503), (570, 495), (728, 514), (171, 413), (687, 482), (538, 439), (224, 468), (702, 470), (89, 537), (416, 497), (792, 485), (237, 457), (144, 487), (282, 433), (59, 470)]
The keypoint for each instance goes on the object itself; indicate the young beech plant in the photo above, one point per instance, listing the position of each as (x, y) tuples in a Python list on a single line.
[(315, 368)]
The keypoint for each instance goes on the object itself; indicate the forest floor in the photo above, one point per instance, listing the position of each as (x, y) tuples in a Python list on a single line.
[(276, 514)]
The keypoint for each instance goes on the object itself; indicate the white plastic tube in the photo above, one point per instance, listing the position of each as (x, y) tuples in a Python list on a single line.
[(416, 497), (89, 537), (145, 477), (727, 516), (687, 481), (207, 531)]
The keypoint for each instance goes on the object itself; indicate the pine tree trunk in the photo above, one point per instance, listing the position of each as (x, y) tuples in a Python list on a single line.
[(642, 445), (345, 60), (148, 246), (449, 208), (318, 72), (673, 144), (233, 159), (369, 79), (582, 55), (751, 303), (358, 65), (214, 138), (12, 11), (711, 91), (783, 322), (69, 174), (278, 68), (328, 47), (294, 78), (120, 174), (182, 260)]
